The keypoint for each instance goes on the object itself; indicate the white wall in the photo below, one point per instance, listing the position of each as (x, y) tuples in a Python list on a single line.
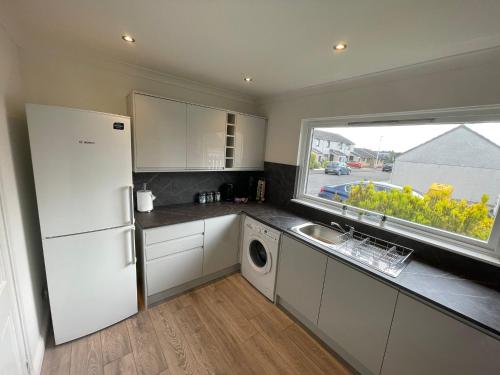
[(18, 194), (467, 80), (57, 78)]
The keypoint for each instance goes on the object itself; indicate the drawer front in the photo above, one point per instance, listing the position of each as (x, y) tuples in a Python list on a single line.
[(162, 249), (171, 232), (174, 270)]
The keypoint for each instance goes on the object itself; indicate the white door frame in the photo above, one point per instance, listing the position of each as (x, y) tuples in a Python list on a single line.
[(11, 277)]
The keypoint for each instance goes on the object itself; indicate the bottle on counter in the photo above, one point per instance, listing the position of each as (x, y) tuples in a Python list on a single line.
[(261, 190), (217, 196)]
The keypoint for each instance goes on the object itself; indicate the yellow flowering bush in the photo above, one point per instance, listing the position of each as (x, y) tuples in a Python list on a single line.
[(437, 208)]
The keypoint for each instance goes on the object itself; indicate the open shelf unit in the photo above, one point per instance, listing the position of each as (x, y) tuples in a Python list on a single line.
[(230, 139)]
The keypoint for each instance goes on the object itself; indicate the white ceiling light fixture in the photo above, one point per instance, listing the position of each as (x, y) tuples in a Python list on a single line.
[(248, 79), (340, 46), (128, 38)]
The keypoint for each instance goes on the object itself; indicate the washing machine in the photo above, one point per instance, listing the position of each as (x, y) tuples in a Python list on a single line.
[(259, 258)]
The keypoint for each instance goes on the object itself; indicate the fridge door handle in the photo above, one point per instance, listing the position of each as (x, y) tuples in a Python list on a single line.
[(131, 203), (134, 253)]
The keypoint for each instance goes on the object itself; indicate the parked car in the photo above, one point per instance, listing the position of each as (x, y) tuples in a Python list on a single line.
[(387, 167), (354, 164), (338, 168), (342, 191)]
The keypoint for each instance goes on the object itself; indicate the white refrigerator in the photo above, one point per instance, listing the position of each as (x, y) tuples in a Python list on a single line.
[(82, 165)]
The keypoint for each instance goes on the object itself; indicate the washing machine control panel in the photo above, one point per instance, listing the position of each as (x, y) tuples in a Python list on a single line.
[(264, 231)]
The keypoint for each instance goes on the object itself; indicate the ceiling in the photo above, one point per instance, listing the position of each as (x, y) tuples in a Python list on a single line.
[(284, 45)]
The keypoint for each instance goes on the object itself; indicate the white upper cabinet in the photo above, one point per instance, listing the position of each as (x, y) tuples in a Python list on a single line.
[(206, 134), (250, 142), (159, 133), (170, 135)]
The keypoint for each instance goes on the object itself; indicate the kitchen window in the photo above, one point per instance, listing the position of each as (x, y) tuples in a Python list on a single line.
[(433, 176)]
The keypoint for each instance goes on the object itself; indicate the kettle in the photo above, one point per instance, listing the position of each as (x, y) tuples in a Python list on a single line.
[(145, 199)]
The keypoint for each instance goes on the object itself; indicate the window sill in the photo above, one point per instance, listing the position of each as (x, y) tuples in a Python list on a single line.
[(469, 251)]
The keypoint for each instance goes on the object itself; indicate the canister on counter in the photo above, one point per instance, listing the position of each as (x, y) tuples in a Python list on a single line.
[(217, 196), (202, 197), (210, 197)]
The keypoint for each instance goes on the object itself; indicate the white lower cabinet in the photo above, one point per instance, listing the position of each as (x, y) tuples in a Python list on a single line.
[(356, 314), (162, 249), (426, 341), (170, 256), (299, 284), (177, 257), (172, 232), (174, 270), (375, 327), (221, 243)]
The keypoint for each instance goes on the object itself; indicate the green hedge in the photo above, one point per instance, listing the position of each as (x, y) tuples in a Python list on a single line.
[(436, 209), (313, 161)]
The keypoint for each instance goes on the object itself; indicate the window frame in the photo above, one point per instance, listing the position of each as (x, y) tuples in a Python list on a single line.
[(487, 251)]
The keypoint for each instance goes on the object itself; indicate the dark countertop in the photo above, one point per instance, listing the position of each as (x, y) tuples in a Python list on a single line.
[(446, 285), (181, 213)]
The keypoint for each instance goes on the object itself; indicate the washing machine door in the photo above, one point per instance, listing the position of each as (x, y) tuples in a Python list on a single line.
[(259, 256)]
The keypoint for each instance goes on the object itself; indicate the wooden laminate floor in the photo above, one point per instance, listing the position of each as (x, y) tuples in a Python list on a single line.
[(226, 327)]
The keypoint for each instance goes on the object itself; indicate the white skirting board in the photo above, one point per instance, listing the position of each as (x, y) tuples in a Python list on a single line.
[(38, 355)]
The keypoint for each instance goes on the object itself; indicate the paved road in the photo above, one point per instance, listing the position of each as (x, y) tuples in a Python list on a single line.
[(317, 179)]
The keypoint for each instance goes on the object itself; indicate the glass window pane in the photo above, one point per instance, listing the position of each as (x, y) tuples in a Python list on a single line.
[(445, 176)]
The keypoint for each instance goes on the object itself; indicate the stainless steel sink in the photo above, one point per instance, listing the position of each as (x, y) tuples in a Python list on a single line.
[(384, 256), (321, 233)]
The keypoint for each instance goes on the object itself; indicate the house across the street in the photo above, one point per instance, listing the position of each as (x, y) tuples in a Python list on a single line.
[(460, 157), (331, 146), (367, 157)]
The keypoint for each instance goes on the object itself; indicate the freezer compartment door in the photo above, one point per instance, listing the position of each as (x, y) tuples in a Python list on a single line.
[(91, 280), (82, 164)]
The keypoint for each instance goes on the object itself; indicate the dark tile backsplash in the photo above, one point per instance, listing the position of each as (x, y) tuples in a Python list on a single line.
[(183, 187), (280, 182)]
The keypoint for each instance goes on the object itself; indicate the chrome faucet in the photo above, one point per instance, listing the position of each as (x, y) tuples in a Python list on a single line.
[(337, 225)]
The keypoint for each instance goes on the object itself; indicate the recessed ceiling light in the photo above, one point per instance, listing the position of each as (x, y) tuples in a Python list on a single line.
[(248, 79), (340, 46), (128, 38)]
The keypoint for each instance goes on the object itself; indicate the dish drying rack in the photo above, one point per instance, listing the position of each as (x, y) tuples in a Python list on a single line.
[(385, 256)]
